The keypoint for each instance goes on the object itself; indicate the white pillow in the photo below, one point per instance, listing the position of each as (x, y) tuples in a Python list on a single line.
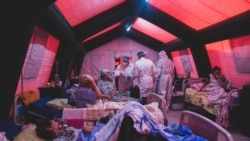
[(155, 112), (28, 134), (197, 86)]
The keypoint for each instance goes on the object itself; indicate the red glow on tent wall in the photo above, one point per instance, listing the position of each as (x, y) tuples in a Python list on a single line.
[(78, 11), (43, 47), (102, 32), (153, 30), (213, 11), (230, 54), (183, 59)]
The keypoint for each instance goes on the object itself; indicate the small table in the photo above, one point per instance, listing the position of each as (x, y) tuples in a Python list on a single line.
[(55, 92)]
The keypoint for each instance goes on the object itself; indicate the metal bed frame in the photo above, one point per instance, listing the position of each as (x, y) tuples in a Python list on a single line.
[(204, 127)]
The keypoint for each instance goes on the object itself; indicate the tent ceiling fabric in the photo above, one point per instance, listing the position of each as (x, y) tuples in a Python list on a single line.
[(200, 14), (77, 11), (153, 30), (92, 18), (103, 31)]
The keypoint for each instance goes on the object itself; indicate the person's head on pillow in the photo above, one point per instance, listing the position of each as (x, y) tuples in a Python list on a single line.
[(48, 129)]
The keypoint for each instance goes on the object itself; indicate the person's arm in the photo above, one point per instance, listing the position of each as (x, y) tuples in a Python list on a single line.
[(204, 85), (97, 91), (113, 93), (222, 81)]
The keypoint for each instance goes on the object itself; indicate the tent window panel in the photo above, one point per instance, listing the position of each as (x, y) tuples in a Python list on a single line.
[(185, 61), (240, 63), (241, 53), (34, 62)]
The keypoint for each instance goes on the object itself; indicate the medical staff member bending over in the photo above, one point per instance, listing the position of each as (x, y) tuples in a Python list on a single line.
[(165, 74), (145, 72), (124, 72)]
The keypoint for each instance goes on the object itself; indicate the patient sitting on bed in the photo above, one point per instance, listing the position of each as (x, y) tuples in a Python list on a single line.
[(217, 79), (216, 92), (216, 87), (87, 92)]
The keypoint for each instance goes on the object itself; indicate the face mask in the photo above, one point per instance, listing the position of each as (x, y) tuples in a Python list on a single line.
[(125, 63)]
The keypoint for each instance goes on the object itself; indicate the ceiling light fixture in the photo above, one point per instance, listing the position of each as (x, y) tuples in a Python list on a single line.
[(132, 20), (129, 28)]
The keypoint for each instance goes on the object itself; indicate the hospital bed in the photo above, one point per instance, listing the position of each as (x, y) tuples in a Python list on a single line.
[(197, 101), (34, 111), (191, 86), (198, 124), (204, 127)]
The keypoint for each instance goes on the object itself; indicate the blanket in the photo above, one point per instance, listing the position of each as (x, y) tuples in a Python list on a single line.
[(143, 123), (215, 94)]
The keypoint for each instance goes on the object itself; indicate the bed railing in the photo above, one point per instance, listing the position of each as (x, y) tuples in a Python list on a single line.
[(204, 127), (153, 97)]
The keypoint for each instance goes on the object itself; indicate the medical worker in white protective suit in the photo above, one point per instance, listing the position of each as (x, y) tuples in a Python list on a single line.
[(165, 74), (124, 72), (145, 72)]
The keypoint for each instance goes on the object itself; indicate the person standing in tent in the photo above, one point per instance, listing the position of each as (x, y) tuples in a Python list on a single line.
[(145, 72), (165, 74), (124, 72)]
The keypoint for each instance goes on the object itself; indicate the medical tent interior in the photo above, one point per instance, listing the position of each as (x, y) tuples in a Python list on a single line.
[(44, 38)]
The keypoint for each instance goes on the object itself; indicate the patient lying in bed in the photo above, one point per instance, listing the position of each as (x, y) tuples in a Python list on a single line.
[(143, 123)]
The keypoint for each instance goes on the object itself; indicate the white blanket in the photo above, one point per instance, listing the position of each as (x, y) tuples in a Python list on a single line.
[(143, 123), (215, 94)]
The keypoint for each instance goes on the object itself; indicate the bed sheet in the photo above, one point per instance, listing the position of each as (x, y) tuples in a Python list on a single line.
[(108, 108), (200, 99)]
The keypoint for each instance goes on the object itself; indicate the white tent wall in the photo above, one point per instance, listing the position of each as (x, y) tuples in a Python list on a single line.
[(103, 56), (43, 51)]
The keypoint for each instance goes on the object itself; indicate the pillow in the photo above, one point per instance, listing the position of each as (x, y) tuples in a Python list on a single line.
[(197, 86), (28, 134), (155, 112)]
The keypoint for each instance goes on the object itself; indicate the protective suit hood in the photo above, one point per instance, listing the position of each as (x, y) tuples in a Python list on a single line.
[(162, 54)]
